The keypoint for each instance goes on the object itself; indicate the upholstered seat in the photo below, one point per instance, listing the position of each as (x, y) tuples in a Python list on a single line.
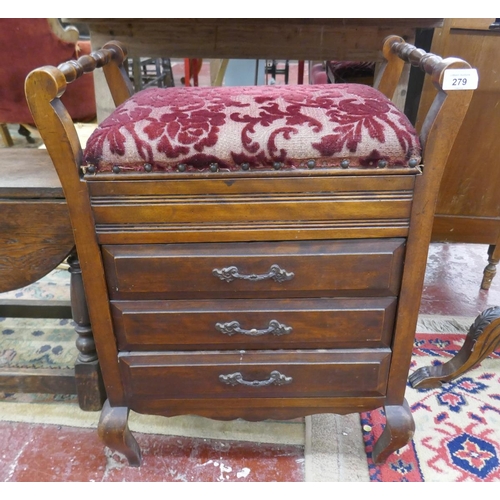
[(248, 128)]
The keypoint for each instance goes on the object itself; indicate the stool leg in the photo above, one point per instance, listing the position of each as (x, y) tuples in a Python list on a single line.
[(113, 430), (89, 383), (399, 429)]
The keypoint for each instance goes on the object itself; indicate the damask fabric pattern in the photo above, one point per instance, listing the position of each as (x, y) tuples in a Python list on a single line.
[(258, 127), (457, 436)]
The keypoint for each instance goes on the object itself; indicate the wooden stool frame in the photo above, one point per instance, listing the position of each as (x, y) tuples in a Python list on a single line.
[(45, 85)]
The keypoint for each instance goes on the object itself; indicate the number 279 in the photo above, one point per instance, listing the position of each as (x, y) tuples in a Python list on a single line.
[(459, 81)]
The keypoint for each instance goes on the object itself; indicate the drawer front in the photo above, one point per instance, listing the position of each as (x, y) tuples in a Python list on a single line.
[(254, 324), (245, 270), (264, 374), (242, 208)]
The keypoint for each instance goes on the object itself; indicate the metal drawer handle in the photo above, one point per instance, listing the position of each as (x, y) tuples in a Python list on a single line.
[(274, 328), (275, 378), (231, 273)]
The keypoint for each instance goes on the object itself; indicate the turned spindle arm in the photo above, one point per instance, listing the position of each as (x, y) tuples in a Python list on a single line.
[(397, 52), (45, 85), (111, 58), (449, 107)]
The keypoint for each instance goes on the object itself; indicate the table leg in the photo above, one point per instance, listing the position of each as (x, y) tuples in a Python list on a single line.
[(89, 383), (482, 339)]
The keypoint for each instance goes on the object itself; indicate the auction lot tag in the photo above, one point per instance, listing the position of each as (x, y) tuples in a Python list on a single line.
[(460, 79)]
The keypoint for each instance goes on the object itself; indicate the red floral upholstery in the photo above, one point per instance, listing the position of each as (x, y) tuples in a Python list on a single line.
[(260, 127)]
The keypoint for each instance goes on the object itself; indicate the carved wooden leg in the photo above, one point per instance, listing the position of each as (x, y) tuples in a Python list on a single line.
[(399, 429), (89, 383), (481, 341), (491, 269), (113, 430)]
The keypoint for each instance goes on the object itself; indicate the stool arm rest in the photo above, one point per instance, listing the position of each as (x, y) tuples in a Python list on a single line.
[(45, 85), (397, 52), (110, 58), (431, 64), (449, 108)]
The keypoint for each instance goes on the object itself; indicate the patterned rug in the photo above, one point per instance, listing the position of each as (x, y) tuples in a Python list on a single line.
[(35, 342), (457, 436)]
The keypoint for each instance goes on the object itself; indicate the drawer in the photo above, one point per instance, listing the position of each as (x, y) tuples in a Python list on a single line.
[(262, 270), (250, 374), (371, 203), (254, 323)]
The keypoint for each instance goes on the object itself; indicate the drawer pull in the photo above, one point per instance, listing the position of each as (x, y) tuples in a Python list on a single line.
[(231, 273), (274, 328), (276, 378)]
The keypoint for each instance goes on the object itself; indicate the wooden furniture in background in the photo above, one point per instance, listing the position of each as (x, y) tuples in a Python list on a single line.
[(468, 208), (35, 237), (179, 248), (279, 38)]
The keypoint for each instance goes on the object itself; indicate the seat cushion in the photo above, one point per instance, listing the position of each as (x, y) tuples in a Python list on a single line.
[(257, 127)]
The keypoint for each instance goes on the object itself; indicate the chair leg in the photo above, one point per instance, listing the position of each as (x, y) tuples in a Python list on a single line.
[(26, 133), (491, 269), (300, 76), (89, 382), (4, 132)]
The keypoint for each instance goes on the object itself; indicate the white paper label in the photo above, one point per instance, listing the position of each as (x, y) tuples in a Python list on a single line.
[(460, 79)]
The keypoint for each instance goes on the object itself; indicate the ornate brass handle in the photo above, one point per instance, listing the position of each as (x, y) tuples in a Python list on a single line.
[(274, 328), (275, 378), (231, 273)]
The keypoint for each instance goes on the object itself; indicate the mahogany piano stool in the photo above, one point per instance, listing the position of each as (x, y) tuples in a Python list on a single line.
[(228, 275)]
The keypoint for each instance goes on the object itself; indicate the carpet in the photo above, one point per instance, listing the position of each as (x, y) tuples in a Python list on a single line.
[(457, 436), (36, 342)]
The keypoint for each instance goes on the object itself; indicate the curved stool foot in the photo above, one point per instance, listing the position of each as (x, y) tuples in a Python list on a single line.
[(481, 341), (113, 430), (399, 429)]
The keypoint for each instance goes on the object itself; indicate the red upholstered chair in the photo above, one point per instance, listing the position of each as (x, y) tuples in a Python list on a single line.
[(30, 43)]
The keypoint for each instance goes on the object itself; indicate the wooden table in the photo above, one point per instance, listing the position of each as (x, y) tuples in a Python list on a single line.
[(293, 39), (35, 237)]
